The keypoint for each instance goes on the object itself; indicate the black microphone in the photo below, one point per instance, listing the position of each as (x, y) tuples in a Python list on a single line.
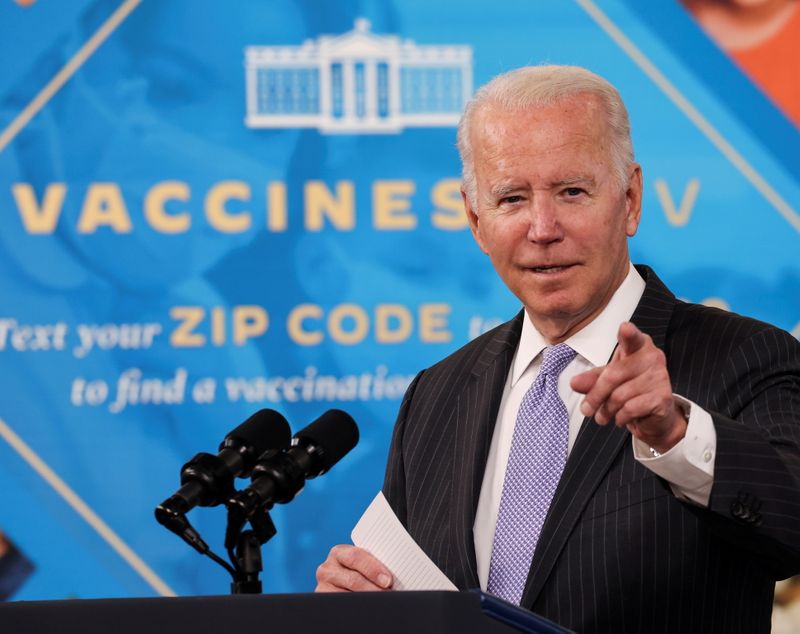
[(280, 475), (207, 480)]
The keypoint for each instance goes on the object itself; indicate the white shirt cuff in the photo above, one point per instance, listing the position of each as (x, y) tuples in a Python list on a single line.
[(689, 465)]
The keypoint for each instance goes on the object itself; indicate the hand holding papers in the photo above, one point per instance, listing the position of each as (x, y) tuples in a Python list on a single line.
[(381, 533)]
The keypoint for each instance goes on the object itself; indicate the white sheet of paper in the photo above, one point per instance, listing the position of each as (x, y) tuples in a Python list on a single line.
[(381, 533)]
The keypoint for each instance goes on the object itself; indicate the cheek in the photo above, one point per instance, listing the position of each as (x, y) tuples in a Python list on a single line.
[(494, 238), (509, 232)]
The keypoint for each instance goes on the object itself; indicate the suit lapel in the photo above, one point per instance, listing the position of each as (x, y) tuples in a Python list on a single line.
[(653, 314), (595, 450), (475, 416)]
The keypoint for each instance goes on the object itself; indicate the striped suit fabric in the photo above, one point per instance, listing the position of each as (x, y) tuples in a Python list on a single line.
[(618, 551)]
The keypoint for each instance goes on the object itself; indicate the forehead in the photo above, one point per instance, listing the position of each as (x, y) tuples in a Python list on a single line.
[(571, 127)]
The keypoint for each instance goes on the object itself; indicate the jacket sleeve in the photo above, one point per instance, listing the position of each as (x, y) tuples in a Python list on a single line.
[(755, 498)]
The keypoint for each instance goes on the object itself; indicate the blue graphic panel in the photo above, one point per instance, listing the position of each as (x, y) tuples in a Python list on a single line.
[(229, 208)]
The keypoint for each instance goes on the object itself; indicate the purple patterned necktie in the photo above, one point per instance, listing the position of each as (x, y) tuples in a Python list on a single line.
[(535, 463)]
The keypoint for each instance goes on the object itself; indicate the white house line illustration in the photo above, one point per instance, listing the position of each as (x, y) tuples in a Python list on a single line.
[(357, 83)]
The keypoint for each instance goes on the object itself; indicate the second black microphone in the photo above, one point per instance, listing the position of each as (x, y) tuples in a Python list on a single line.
[(280, 475)]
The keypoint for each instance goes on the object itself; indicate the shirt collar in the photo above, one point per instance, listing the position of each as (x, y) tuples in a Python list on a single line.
[(594, 342)]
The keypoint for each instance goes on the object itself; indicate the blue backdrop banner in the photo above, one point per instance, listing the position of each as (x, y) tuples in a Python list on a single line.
[(210, 207)]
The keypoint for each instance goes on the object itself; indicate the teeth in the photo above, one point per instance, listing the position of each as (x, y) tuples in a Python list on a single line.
[(548, 269)]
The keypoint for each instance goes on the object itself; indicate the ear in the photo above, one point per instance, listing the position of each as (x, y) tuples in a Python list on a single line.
[(474, 221), (633, 200)]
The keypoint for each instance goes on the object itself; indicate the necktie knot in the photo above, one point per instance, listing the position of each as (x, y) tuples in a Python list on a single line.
[(556, 358)]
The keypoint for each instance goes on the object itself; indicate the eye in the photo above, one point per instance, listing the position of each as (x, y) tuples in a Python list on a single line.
[(572, 192), (511, 200)]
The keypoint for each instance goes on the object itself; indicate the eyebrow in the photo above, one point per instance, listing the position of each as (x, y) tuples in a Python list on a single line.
[(503, 190), (574, 180)]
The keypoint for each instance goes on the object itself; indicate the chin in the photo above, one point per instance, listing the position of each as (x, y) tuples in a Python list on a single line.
[(553, 312), (554, 304)]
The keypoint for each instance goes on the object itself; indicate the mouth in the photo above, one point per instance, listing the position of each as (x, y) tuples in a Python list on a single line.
[(550, 269)]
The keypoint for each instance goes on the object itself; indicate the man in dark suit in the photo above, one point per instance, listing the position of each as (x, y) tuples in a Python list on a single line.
[(613, 459)]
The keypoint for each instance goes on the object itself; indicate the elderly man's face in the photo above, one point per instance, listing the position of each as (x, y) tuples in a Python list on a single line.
[(550, 211)]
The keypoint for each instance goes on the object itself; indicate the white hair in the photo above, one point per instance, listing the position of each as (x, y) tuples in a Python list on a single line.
[(540, 86)]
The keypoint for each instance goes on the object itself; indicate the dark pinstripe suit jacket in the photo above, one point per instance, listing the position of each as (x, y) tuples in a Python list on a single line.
[(618, 552)]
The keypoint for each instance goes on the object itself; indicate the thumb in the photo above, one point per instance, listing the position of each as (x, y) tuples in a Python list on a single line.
[(585, 381)]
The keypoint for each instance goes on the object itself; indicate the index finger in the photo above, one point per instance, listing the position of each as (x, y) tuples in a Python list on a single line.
[(630, 338)]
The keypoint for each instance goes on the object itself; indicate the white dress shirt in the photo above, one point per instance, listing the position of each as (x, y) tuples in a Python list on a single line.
[(688, 466)]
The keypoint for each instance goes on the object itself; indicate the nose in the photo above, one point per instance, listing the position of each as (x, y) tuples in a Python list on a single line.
[(543, 222)]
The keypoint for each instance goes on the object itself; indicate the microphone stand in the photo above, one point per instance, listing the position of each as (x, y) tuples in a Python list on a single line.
[(246, 558)]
